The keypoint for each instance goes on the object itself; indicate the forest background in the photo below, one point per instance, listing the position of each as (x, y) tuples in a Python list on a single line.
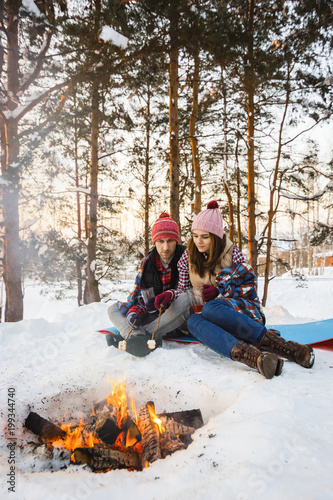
[(113, 111)]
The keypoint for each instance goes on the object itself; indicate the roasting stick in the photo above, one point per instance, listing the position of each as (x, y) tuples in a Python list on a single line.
[(151, 343), (158, 323), (129, 333), (122, 343)]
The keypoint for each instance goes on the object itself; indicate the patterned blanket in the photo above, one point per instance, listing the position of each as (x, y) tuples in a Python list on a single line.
[(238, 286)]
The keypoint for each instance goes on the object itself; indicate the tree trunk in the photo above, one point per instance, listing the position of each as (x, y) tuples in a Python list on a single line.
[(78, 208), (173, 122), (225, 162), (2, 50), (91, 292), (250, 89), (238, 184), (193, 138), (231, 209), (274, 203), (147, 164), (10, 172)]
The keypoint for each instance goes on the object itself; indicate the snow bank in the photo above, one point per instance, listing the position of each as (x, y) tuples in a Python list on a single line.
[(261, 438)]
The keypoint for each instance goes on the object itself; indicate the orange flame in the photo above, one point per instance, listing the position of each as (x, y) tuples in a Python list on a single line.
[(118, 399), (155, 418), (75, 438), (78, 437)]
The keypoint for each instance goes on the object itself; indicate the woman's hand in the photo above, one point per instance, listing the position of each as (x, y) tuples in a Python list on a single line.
[(209, 292)]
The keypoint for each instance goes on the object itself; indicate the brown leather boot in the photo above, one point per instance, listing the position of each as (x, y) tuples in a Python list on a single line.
[(302, 354), (266, 363)]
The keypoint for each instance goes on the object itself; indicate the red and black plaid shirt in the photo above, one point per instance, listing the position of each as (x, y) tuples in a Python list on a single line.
[(165, 276), (164, 273)]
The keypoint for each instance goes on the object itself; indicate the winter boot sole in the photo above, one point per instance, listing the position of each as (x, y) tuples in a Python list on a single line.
[(269, 365)]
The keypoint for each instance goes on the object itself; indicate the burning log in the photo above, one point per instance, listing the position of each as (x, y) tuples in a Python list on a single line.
[(113, 439), (190, 418), (99, 458), (133, 435), (45, 430), (150, 436), (177, 436), (106, 425), (169, 444), (174, 428)]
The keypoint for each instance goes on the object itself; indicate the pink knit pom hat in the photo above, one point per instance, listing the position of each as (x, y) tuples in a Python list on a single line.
[(165, 227), (210, 220)]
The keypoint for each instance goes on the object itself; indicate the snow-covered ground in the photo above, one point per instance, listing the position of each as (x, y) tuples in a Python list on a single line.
[(261, 439)]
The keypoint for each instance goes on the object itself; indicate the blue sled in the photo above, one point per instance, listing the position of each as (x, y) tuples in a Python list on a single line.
[(318, 334)]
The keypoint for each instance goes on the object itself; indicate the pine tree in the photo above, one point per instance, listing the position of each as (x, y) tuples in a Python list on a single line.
[(38, 28)]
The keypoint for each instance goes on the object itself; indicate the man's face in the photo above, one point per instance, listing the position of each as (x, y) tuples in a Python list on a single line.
[(166, 249)]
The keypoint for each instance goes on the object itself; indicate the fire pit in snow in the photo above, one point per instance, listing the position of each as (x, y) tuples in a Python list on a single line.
[(116, 437)]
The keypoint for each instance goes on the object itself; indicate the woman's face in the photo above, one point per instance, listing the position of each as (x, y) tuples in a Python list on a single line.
[(202, 240)]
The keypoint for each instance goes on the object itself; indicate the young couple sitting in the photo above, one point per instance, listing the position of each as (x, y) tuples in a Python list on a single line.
[(231, 323)]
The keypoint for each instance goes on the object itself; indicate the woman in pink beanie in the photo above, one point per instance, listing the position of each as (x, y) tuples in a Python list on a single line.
[(232, 319)]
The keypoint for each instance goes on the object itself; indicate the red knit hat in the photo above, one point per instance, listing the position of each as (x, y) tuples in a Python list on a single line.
[(210, 220), (165, 227)]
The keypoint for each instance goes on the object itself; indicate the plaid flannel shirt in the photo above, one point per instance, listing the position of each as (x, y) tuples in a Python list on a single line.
[(135, 301), (238, 285), (184, 282)]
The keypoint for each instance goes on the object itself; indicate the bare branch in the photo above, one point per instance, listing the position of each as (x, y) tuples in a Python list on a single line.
[(40, 61), (305, 130), (25, 109)]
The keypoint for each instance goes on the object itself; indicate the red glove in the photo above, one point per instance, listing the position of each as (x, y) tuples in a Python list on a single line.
[(164, 299), (209, 292)]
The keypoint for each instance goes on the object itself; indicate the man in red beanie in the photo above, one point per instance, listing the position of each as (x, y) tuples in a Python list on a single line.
[(157, 274)]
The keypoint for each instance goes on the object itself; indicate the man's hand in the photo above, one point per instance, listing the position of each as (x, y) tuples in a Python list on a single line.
[(150, 305), (209, 292), (133, 318), (163, 300)]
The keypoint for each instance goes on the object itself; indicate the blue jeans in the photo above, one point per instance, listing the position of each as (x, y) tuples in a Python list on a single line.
[(220, 327)]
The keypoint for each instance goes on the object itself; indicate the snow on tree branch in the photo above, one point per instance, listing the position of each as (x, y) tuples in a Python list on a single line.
[(33, 100), (31, 7), (292, 196), (108, 34), (80, 190)]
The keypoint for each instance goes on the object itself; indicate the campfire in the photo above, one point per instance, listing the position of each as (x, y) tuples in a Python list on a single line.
[(116, 435)]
